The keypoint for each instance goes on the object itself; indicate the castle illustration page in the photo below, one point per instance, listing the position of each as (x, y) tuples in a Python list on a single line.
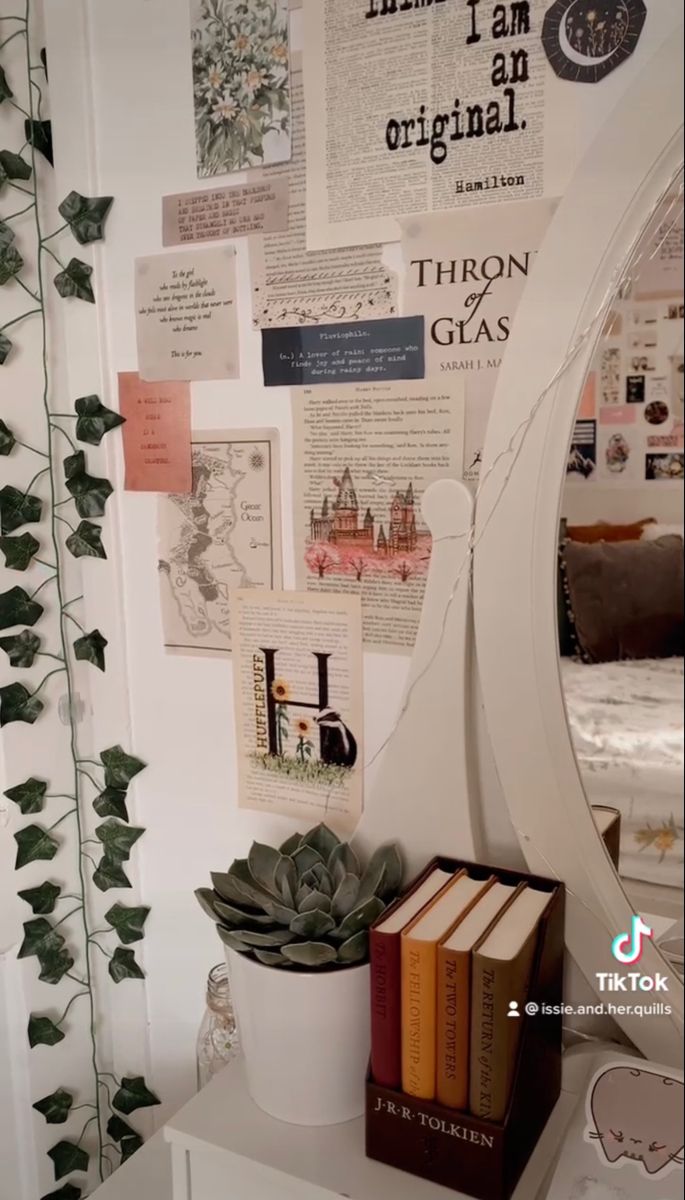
[(363, 456)]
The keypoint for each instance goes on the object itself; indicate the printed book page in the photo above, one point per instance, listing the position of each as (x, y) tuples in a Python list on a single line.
[(465, 273), (291, 286), (297, 679), (222, 535), (363, 456), (417, 111)]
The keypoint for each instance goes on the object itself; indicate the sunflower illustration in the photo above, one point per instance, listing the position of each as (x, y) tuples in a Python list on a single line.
[(280, 690), (305, 745)]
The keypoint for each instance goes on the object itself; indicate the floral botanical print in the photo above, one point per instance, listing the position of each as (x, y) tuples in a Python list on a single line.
[(240, 84)]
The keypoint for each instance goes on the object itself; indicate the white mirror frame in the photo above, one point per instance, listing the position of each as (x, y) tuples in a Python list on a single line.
[(598, 221)]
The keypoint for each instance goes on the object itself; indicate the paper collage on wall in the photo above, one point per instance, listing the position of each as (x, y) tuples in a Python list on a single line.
[(364, 455), (297, 681), (630, 426), (241, 87), (222, 535), (399, 123)]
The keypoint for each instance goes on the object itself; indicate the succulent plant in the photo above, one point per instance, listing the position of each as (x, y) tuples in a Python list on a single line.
[(308, 904)]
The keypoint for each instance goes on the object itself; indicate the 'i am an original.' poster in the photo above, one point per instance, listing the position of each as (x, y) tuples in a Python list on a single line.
[(297, 679)]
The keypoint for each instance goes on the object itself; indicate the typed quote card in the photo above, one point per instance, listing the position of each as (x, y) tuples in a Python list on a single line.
[(186, 315)]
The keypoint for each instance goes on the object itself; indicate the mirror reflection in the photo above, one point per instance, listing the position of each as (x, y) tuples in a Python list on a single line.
[(620, 579)]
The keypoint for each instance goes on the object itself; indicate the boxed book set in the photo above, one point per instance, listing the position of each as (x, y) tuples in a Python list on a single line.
[(462, 1077)]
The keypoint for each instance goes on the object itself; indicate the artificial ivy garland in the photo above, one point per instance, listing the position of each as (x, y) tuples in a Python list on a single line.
[(47, 939)]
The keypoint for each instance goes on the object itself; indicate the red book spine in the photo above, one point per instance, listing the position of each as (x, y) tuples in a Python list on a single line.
[(386, 1007)]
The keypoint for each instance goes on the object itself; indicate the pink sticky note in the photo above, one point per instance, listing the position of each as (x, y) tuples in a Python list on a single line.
[(586, 408), (156, 434), (617, 414)]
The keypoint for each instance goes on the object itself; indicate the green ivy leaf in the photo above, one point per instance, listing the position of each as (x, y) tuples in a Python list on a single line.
[(55, 1107), (39, 937), (67, 1157), (39, 135), (91, 648), (5, 343), (18, 704), (41, 899), (74, 280), (13, 166), (123, 965), (6, 92), (28, 795), (86, 215), (55, 965), (43, 1032), (7, 438), (120, 767), (111, 803), (118, 839), (33, 843), (109, 873), (68, 1191), (17, 608), (129, 1141), (133, 1094), (17, 508), (90, 493), (129, 1145), (43, 942), (94, 420), (21, 648), (118, 1129), (127, 923), (18, 551), (11, 263), (86, 541), (6, 234)]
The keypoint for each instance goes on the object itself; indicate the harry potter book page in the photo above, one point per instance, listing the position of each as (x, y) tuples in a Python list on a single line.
[(466, 275), (291, 286), (418, 110), (297, 679), (363, 457)]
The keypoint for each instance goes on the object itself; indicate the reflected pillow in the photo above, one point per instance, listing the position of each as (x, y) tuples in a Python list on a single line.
[(626, 598), (604, 531)]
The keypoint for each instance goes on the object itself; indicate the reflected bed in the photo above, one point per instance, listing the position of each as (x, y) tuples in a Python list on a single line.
[(626, 722)]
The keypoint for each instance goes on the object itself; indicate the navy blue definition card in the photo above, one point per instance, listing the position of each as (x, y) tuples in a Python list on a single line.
[(358, 352)]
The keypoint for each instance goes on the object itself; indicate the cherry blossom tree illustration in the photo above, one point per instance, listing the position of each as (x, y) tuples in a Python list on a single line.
[(322, 559)]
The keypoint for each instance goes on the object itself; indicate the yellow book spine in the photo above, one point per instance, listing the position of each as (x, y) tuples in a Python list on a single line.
[(418, 1018), (453, 1010)]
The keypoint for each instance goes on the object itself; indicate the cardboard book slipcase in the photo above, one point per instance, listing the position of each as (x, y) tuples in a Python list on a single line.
[(483, 1159)]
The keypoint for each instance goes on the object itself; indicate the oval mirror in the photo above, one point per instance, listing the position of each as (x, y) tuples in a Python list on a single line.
[(627, 188), (620, 581)]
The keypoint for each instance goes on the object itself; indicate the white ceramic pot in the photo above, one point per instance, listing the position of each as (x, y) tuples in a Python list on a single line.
[(306, 1039)]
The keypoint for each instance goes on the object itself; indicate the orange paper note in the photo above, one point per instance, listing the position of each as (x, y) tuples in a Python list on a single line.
[(156, 434)]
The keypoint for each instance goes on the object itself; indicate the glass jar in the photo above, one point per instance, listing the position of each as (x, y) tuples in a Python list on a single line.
[(217, 1041)]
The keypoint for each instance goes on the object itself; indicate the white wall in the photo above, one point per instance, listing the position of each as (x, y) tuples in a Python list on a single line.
[(128, 63)]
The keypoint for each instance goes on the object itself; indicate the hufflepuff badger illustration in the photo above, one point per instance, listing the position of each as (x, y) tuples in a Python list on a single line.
[(338, 745)]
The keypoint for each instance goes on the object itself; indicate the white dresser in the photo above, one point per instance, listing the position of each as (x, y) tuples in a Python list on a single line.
[(220, 1146)]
